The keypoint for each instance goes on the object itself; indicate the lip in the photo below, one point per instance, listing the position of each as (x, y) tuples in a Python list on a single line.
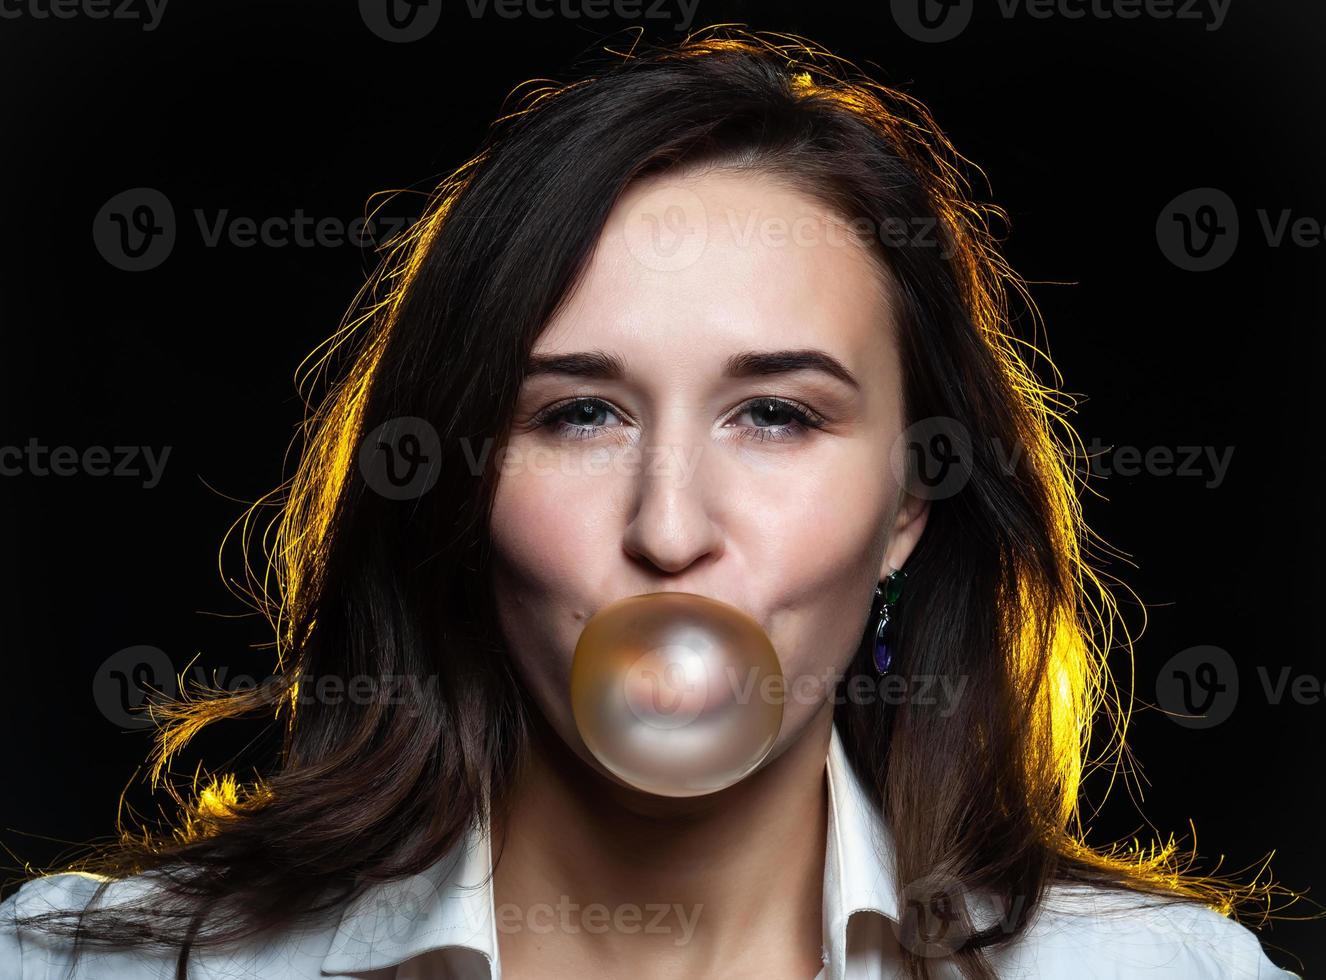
[(702, 595), (739, 606)]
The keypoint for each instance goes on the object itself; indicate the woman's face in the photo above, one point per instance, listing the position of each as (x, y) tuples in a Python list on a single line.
[(714, 462)]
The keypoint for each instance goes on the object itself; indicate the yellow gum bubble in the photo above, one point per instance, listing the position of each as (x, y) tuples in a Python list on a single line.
[(670, 692)]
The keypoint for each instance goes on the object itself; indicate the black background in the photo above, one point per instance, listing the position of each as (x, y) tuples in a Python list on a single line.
[(1086, 128)]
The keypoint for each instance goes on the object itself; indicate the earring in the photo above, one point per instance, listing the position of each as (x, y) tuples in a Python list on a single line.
[(886, 594)]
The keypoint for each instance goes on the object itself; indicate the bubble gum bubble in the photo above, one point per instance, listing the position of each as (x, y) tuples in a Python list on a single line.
[(670, 692)]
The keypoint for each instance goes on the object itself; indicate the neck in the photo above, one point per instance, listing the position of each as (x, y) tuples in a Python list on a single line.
[(595, 878)]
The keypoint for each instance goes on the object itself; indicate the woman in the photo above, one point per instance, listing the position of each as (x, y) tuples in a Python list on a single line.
[(717, 319)]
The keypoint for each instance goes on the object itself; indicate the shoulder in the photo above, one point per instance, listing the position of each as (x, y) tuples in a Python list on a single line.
[(68, 892), (36, 954), (1085, 931), (51, 893)]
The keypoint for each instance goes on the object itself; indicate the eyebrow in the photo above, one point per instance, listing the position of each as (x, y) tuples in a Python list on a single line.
[(603, 366)]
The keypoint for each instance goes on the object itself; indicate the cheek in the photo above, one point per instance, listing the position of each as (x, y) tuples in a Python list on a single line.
[(822, 547), (533, 530), (546, 532)]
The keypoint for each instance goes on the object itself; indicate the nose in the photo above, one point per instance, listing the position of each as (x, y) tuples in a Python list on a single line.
[(674, 525)]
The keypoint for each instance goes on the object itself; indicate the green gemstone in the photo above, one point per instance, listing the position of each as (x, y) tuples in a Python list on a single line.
[(893, 586)]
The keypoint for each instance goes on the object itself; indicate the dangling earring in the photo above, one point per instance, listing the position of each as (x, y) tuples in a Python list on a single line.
[(887, 594)]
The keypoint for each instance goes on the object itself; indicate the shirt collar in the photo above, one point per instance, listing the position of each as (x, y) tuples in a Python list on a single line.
[(451, 903), (859, 862)]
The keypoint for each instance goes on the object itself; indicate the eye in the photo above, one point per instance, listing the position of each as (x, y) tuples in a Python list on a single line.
[(580, 419), (802, 420), (576, 419)]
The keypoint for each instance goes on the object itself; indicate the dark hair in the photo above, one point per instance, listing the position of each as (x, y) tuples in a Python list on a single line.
[(371, 585)]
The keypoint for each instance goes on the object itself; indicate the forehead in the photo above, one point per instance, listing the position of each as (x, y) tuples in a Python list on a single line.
[(688, 266)]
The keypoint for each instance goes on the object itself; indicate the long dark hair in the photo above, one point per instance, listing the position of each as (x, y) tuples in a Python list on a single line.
[(367, 584)]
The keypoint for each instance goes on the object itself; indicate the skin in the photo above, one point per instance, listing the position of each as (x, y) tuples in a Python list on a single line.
[(796, 532)]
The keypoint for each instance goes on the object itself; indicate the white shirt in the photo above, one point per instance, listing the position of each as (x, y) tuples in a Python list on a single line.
[(442, 925)]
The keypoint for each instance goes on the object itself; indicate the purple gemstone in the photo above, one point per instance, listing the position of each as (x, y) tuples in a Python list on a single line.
[(883, 657)]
